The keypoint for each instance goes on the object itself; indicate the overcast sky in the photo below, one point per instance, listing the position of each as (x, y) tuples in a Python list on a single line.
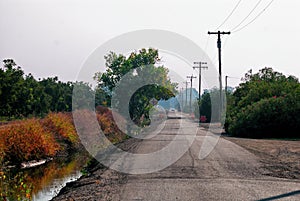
[(54, 37)]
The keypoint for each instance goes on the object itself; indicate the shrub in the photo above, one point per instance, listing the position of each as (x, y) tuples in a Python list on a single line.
[(110, 127), (101, 109), (61, 125), (271, 117), (265, 105), (27, 140), (2, 148)]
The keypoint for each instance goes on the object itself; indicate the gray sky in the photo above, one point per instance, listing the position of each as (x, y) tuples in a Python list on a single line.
[(54, 37)]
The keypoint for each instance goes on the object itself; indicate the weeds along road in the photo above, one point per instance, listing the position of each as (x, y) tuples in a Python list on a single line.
[(229, 172)]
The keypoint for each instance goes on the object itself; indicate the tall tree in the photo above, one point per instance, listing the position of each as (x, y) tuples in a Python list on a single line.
[(138, 67)]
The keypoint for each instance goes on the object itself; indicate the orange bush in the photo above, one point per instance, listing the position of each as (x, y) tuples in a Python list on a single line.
[(101, 109), (61, 125), (27, 140), (109, 126), (2, 148)]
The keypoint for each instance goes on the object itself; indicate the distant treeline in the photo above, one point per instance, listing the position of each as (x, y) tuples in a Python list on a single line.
[(22, 95)]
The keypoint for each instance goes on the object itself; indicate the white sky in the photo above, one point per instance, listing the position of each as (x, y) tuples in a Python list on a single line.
[(54, 37)]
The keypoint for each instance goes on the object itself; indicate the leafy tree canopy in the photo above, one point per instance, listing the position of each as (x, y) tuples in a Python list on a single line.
[(266, 104), (22, 95), (139, 67)]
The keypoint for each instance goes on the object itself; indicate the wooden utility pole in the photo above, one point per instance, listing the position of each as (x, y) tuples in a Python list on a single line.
[(186, 84), (181, 99), (226, 82), (226, 79), (200, 68), (191, 79), (219, 33)]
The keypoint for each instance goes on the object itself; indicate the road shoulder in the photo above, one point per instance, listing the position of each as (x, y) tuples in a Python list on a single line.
[(280, 157)]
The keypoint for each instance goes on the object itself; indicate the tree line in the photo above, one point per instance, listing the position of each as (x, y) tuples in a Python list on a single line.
[(265, 104), (22, 95)]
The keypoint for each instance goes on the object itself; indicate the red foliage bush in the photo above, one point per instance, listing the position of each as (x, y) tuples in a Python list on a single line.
[(27, 140), (2, 147), (35, 139), (109, 126), (61, 125), (101, 109)]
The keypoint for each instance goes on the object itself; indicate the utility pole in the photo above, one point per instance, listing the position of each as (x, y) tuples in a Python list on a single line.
[(226, 82), (200, 68), (191, 79), (226, 78), (219, 33), (186, 84), (181, 99)]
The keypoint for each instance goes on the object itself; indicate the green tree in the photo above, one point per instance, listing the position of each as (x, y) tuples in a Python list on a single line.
[(11, 85), (266, 104), (22, 95), (209, 99), (139, 67)]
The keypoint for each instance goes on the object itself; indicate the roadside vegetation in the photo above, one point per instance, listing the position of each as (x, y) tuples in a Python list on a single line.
[(36, 122), (265, 105), (35, 139)]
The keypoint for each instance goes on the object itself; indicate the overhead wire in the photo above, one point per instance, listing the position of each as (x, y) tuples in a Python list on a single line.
[(245, 18), (230, 14), (206, 44), (257, 16), (224, 21)]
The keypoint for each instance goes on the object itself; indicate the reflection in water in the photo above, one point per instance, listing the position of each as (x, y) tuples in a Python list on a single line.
[(43, 182), (49, 191)]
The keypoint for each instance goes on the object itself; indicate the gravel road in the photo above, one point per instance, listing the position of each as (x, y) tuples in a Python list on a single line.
[(229, 172)]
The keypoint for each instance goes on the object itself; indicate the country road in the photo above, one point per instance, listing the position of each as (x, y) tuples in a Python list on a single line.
[(229, 172)]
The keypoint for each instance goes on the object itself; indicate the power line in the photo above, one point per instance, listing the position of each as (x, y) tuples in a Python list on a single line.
[(226, 19), (206, 44), (245, 18), (259, 14), (225, 43), (230, 14)]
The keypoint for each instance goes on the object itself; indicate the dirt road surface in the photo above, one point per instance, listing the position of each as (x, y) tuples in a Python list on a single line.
[(229, 172)]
